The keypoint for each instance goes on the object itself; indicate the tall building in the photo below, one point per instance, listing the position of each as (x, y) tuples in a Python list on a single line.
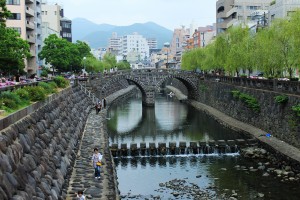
[(230, 12), (152, 42), (53, 15), (179, 40), (133, 44), (66, 27), (26, 19), (115, 44), (282, 8)]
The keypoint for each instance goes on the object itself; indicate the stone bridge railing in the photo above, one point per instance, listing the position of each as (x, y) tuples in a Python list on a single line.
[(292, 87)]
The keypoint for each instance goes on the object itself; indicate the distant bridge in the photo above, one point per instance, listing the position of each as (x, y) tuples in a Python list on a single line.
[(149, 81)]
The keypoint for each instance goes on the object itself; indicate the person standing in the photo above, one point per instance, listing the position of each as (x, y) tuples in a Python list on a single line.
[(80, 195), (96, 159)]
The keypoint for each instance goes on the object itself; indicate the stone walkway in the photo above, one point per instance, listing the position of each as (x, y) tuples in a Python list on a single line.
[(95, 135), (83, 172)]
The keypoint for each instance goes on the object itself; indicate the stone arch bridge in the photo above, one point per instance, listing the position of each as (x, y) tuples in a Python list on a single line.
[(147, 80)]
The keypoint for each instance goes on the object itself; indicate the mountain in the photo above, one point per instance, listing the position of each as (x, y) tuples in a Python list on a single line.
[(97, 35)]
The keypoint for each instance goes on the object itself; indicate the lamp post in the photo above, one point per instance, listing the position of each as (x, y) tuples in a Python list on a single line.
[(84, 58)]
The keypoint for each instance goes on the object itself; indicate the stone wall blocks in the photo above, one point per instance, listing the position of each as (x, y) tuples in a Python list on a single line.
[(24, 143), (29, 163), (3, 143), (31, 184), (10, 135), (37, 176), (3, 195), (40, 194), (45, 188), (7, 187), (54, 194)]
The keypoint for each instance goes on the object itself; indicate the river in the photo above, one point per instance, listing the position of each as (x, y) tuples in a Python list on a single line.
[(163, 177)]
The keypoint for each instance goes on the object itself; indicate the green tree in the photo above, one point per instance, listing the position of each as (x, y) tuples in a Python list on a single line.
[(109, 61), (57, 52), (13, 51), (123, 65), (4, 13)]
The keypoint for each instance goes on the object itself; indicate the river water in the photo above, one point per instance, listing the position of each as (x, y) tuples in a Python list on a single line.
[(158, 177)]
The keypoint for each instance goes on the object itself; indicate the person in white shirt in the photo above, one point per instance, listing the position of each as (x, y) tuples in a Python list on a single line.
[(96, 159)]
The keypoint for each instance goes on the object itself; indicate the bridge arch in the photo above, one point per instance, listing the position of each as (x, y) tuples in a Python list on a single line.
[(149, 81), (189, 84)]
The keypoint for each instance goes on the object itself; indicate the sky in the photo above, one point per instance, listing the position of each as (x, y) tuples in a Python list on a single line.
[(170, 14)]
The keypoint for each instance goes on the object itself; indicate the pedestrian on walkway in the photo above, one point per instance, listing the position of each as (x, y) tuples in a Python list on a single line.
[(97, 162), (80, 195)]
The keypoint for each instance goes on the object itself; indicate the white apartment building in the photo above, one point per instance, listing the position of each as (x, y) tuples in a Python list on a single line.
[(115, 44), (135, 43), (26, 19), (51, 15), (231, 12), (282, 8), (152, 42)]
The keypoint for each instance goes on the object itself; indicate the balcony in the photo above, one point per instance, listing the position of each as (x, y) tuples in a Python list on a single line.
[(29, 1), (29, 12), (31, 38), (29, 25), (32, 51)]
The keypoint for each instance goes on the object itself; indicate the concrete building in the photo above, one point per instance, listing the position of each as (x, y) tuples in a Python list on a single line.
[(53, 14), (231, 12), (152, 42), (135, 43), (282, 8), (26, 19), (66, 27), (115, 44), (179, 40)]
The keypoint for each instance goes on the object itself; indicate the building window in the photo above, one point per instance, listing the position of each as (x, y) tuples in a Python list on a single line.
[(12, 2), (67, 35), (253, 7), (43, 12), (15, 16), (18, 29)]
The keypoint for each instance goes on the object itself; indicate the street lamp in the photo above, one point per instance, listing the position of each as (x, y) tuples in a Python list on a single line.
[(84, 58)]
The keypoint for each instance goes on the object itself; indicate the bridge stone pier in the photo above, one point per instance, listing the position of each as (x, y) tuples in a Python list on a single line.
[(147, 80)]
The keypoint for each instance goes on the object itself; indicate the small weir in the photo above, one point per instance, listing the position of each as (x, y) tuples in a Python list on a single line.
[(195, 148)]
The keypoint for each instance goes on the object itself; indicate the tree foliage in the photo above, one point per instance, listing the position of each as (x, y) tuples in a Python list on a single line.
[(4, 13), (13, 50), (63, 55), (274, 50)]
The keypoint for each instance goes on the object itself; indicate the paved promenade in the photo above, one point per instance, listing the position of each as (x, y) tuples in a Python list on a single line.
[(83, 173), (95, 135)]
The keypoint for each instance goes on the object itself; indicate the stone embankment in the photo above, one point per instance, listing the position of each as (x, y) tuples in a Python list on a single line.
[(95, 135), (38, 151), (287, 152)]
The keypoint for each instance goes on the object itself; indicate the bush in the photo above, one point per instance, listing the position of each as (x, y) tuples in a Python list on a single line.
[(250, 101), (12, 96), (282, 99), (53, 84), (36, 93), (23, 94), (61, 81), (296, 109), (48, 88), (7, 104)]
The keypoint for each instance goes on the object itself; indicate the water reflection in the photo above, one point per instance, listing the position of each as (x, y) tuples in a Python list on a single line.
[(168, 121)]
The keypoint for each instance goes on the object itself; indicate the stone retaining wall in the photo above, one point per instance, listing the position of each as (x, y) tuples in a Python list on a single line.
[(277, 119), (37, 152)]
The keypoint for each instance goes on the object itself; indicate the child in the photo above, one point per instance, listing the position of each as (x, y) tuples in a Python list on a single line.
[(80, 195)]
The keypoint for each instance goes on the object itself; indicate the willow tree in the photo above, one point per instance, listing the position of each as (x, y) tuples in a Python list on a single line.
[(267, 54)]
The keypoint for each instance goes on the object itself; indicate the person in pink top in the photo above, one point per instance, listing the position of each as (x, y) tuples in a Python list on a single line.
[(96, 158)]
